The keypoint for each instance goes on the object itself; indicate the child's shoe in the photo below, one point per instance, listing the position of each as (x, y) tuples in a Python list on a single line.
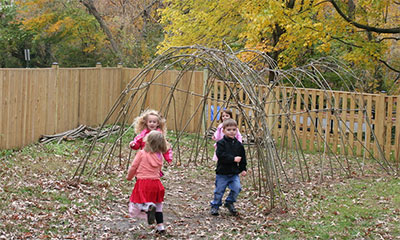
[(231, 208), (151, 214), (214, 211), (160, 230)]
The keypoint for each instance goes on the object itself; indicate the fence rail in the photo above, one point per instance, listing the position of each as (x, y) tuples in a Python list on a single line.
[(51, 100)]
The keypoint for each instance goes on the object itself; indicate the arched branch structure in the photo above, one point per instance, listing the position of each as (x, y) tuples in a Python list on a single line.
[(258, 106)]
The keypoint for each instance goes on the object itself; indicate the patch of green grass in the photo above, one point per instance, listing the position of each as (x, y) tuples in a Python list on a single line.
[(62, 198), (351, 210), (6, 153)]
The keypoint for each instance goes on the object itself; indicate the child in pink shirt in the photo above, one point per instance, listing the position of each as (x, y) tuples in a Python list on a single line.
[(147, 121), (148, 194), (218, 134)]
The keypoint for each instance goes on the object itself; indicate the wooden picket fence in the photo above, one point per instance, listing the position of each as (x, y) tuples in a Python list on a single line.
[(52, 100), (305, 118)]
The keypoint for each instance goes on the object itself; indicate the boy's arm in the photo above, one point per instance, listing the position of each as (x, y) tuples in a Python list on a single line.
[(223, 155), (135, 164), (243, 162)]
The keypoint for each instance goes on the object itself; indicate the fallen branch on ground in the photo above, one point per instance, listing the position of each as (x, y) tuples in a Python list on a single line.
[(83, 132)]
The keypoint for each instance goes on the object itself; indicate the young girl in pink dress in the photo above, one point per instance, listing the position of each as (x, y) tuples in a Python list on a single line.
[(147, 121), (148, 194), (218, 134)]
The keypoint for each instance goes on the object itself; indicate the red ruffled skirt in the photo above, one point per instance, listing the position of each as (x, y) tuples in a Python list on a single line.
[(148, 190)]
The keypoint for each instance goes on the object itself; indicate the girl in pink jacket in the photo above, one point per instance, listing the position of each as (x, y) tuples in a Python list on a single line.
[(148, 194), (149, 120), (218, 134)]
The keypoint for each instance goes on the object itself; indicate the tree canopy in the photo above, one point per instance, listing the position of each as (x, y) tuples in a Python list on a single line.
[(364, 33), (292, 31)]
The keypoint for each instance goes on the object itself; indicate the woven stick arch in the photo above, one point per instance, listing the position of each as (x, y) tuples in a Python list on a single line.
[(272, 163)]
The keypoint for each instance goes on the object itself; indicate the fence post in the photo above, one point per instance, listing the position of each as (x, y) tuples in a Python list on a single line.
[(55, 67), (397, 134), (270, 106), (380, 120), (204, 118)]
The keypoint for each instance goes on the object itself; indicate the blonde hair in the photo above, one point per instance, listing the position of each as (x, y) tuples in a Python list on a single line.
[(155, 142), (141, 121)]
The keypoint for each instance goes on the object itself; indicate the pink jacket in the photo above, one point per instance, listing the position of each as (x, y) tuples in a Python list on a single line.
[(218, 135), (145, 165), (139, 143)]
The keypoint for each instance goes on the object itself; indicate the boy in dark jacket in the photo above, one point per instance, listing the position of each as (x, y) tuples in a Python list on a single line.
[(231, 163)]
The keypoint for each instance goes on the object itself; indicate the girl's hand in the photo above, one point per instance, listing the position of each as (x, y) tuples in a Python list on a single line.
[(243, 173)]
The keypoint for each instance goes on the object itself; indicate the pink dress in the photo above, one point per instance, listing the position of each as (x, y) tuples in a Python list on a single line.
[(218, 135), (148, 189)]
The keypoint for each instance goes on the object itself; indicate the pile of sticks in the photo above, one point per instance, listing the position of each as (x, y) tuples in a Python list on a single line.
[(83, 132)]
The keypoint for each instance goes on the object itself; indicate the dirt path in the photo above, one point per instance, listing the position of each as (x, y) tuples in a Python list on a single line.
[(186, 210)]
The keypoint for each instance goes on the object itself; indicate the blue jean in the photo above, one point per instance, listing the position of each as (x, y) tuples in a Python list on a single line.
[(221, 182)]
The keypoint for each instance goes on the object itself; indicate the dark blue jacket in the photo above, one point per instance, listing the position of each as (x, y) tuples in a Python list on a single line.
[(227, 150)]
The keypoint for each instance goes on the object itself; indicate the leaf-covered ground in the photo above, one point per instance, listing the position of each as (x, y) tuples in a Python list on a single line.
[(39, 201)]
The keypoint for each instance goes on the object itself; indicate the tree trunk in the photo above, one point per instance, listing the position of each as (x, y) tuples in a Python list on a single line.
[(92, 10)]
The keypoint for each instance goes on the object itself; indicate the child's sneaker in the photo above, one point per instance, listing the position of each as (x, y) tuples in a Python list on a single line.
[(151, 214), (231, 208), (160, 232), (214, 211)]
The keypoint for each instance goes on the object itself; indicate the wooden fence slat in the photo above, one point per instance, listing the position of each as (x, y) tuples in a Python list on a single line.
[(5, 110), (380, 119), (19, 81), (368, 128), (397, 132), (335, 128), (276, 131), (328, 116), (299, 135), (321, 116), (2, 110), (15, 97), (343, 124), (360, 123), (313, 116), (351, 125), (387, 144), (306, 124)]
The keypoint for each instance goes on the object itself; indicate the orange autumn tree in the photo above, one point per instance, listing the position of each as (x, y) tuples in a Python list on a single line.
[(93, 31), (133, 24), (63, 32), (292, 31)]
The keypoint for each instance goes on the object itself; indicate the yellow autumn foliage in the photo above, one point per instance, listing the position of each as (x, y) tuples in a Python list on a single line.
[(276, 27)]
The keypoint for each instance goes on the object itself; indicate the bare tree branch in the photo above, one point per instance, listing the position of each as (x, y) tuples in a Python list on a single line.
[(389, 38), (89, 4), (388, 66), (145, 9), (362, 26)]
